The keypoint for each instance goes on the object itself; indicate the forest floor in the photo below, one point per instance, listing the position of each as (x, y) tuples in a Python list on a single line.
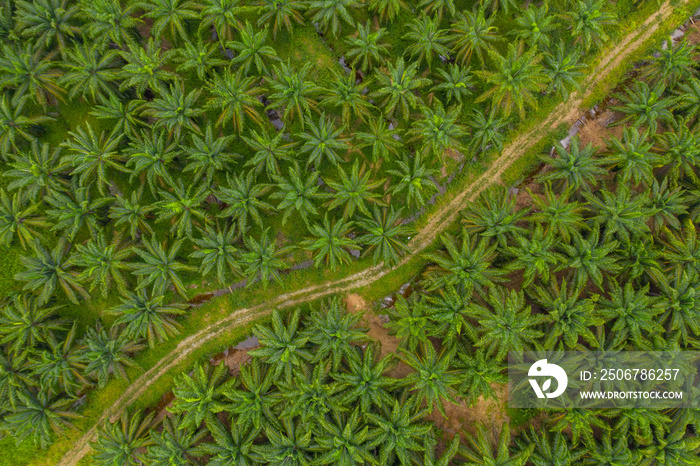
[(564, 113)]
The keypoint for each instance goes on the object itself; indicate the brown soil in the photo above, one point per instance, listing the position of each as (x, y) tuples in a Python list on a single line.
[(597, 131), (567, 112), (464, 417), (693, 35)]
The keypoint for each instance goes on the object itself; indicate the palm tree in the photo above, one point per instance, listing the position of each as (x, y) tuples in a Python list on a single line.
[(353, 191), (644, 106), (251, 49), (367, 49), (14, 376), (484, 449), (200, 56), (630, 312), (126, 114), (18, 218), (674, 446), (622, 214), (329, 13), (499, 5), (37, 172), (429, 457), (672, 65), (146, 68), (121, 442), (102, 263), (517, 78), (15, 122), (641, 424), (473, 33), (262, 259), (290, 445), (291, 91), (330, 243), (550, 448), (535, 255), (60, 368), (508, 325), (90, 72), (349, 97), (231, 446), (133, 213), (176, 110), (283, 345), (109, 353), (93, 158), (678, 150), (70, 214), (223, 17), (280, 12), (494, 217), (398, 87), (47, 20), (216, 250), (40, 416), (323, 141), (48, 269), (170, 14), (679, 301), (632, 157), (298, 195), (456, 83), (688, 100), (581, 422), (563, 70), (173, 445), (667, 204), (399, 432), (577, 169), (30, 73), (588, 21), (344, 440), (589, 259), (270, 150), (480, 372), (468, 265), (254, 402), (334, 330), (24, 324), (147, 317), (242, 195), (438, 130), (449, 315), (387, 9), (560, 216), (383, 141), (409, 322), (110, 21), (682, 248), (416, 179), (235, 96), (199, 395), (208, 156), (183, 208), (160, 266), (426, 39), (385, 235), (534, 26), (487, 132), (433, 379), (312, 395), (365, 380), (605, 451)]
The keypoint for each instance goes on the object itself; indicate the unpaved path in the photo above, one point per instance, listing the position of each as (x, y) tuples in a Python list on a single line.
[(566, 112)]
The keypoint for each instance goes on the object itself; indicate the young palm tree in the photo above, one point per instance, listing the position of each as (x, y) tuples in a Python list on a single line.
[(576, 169), (60, 368), (536, 255), (200, 56), (550, 448), (109, 353), (385, 235), (235, 97), (30, 73), (47, 20), (588, 21), (71, 214), (206, 157), (344, 440), (200, 394), (283, 345), (37, 172), (438, 130), (449, 315), (15, 122), (468, 265), (146, 68), (160, 266), (223, 17), (456, 83), (231, 446), (487, 132), (673, 446), (630, 312), (289, 445), (298, 195), (632, 157), (173, 445), (416, 179), (130, 211), (330, 243), (255, 401), (495, 6), (18, 218), (672, 65), (242, 195), (534, 26), (688, 100), (563, 70), (175, 110), (171, 15), (48, 269), (90, 72), (122, 442), (25, 323), (667, 204), (280, 13), (183, 208), (15, 377), (354, 191), (313, 395), (426, 39), (93, 158), (678, 149), (367, 49), (644, 106), (517, 78), (102, 263), (494, 217), (398, 87), (589, 259), (329, 13), (292, 92), (560, 216), (484, 449), (473, 33), (262, 259), (387, 9), (270, 150), (251, 49), (216, 250), (365, 380), (323, 141), (622, 214), (479, 373), (344, 94), (147, 317), (109, 21), (127, 114), (40, 417), (409, 323), (682, 248), (680, 305), (383, 141)]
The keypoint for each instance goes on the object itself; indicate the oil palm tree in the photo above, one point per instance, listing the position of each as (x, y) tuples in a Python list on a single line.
[(223, 16), (146, 68), (330, 243), (368, 48), (146, 317), (438, 130), (409, 322), (494, 217), (416, 179), (200, 56), (682, 247), (200, 394), (216, 251), (449, 315), (674, 446), (426, 39), (40, 171), (255, 400), (39, 417), (517, 78), (630, 312), (176, 110), (280, 13), (485, 449), (26, 323), (235, 97), (535, 254), (71, 214), (15, 377), (667, 204), (48, 269), (109, 353), (298, 195), (160, 266), (383, 141), (473, 34), (563, 69), (387, 9), (678, 149), (150, 155), (480, 372), (550, 448), (132, 212), (534, 25), (672, 65), (243, 198), (270, 150), (313, 394), (102, 263), (60, 368), (487, 132), (14, 122), (399, 431), (170, 15), (329, 14), (645, 106), (19, 217), (173, 445), (251, 50), (621, 214), (183, 207), (30, 73), (678, 299), (122, 442), (127, 114), (323, 141), (577, 169), (354, 191), (688, 100), (398, 87), (589, 259), (456, 83), (588, 20), (632, 158), (90, 72), (289, 444), (208, 156), (110, 21), (344, 94), (385, 235), (365, 379), (292, 92), (344, 440), (262, 260), (559, 215), (46, 21)]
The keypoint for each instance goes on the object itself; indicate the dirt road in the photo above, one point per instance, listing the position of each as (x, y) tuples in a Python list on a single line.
[(566, 112)]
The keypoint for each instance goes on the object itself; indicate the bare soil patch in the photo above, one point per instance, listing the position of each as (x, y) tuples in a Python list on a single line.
[(465, 417)]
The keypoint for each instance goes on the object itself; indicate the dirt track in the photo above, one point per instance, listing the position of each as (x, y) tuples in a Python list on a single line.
[(566, 112)]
